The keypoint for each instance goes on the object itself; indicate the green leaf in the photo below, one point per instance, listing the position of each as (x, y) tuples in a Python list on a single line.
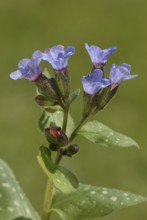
[(62, 178), (13, 203), (43, 121), (47, 119), (74, 95), (46, 73), (90, 201), (99, 133)]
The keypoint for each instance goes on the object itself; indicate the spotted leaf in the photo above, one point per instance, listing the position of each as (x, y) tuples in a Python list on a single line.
[(90, 201), (14, 205), (99, 133)]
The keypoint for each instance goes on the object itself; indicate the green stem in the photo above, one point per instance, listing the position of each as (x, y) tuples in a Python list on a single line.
[(90, 114), (58, 158), (82, 122), (64, 125), (65, 118), (47, 200)]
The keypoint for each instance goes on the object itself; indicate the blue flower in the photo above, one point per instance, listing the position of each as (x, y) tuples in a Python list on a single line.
[(98, 56), (58, 57), (120, 73), (93, 82), (28, 68)]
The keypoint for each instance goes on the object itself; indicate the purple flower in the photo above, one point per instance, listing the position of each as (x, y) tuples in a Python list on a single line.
[(93, 82), (98, 56), (120, 73), (28, 68), (58, 57)]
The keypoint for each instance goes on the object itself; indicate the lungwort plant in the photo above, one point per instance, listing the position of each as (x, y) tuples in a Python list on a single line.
[(64, 194)]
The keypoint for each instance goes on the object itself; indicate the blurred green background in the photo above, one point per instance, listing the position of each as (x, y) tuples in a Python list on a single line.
[(28, 25)]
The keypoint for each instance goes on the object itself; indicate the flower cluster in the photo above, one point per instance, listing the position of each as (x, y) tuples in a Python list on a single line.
[(58, 57), (97, 89), (95, 81), (30, 68)]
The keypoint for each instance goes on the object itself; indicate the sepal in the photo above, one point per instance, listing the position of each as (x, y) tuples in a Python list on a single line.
[(89, 103), (50, 89), (105, 96), (63, 81)]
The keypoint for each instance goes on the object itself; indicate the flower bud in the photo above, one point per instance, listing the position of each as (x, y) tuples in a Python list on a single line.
[(56, 135), (63, 151), (70, 150), (73, 149), (53, 147)]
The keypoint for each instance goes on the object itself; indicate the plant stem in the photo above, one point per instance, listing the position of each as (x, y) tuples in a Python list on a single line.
[(65, 118), (47, 200), (64, 125), (58, 158), (85, 118), (74, 133)]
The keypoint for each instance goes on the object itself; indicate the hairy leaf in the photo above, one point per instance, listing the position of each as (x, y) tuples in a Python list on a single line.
[(90, 201), (99, 133)]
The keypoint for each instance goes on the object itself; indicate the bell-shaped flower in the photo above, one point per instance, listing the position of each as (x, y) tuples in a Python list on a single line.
[(94, 82), (119, 74), (98, 56), (58, 57), (28, 68)]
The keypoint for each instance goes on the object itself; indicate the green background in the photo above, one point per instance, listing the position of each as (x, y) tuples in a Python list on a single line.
[(27, 25)]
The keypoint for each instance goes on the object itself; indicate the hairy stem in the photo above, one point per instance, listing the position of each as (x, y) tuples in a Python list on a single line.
[(64, 126), (65, 118), (47, 200), (85, 118), (81, 123), (58, 158)]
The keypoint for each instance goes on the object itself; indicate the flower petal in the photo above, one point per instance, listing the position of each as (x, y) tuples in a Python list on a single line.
[(119, 74), (37, 55), (93, 82), (58, 57), (98, 56), (28, 68), (16, 75)]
